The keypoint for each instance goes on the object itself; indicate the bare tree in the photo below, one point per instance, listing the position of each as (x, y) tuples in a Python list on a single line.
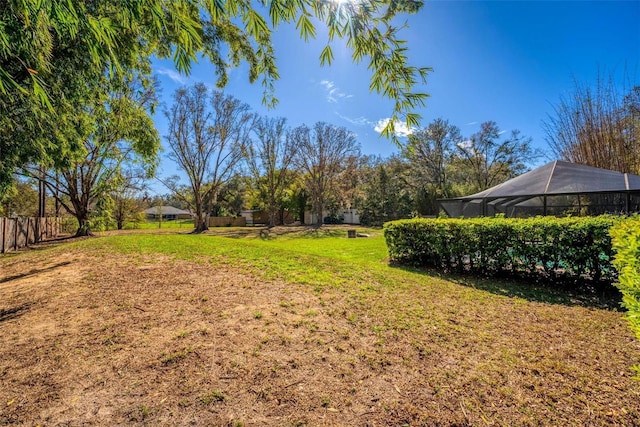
[(269, 158), (322, 153), (598, 126), (487, 160), (207, 135)]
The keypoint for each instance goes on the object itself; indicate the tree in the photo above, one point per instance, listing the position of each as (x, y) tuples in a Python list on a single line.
[(387, 195), (48, 127), (348, 189), (231, 198), (488, 161), (208, 132), (102, 215), (127, 205), (102, 38), (174, 197), (112, 127), (21, 200), (270, 157), (296, 198), (429, 152), (322, 154), (598, 126)]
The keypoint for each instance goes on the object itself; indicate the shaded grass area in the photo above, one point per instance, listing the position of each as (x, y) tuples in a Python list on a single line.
[(304, 328), (582, 293)]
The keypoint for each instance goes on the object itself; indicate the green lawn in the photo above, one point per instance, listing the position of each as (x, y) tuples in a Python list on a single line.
[(326, 258)]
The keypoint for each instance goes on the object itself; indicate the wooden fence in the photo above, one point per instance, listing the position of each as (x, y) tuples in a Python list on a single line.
[(227, 221), (16, 233)]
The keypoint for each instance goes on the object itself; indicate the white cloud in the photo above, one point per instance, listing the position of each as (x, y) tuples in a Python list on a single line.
[(333, 92), (465, 145), (359, 121), (173, 75), (401, 128)]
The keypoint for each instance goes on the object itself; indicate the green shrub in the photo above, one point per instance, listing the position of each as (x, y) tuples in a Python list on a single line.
[(626, 243), (69, 224), (571, 247)]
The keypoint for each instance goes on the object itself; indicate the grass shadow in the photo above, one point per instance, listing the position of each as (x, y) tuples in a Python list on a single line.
[(33, 272), (319, 233), (236, 234), (14, 312), (45, 244), (576, 292), (266, 233)]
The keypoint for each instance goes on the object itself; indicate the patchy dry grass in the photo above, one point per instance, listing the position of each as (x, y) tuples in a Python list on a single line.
[(303, 329)]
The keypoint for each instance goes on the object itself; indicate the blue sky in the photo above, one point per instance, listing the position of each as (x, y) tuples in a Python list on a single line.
[(506, 61)]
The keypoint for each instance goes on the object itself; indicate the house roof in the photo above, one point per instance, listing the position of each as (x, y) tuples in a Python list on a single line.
[(165, 210), (561, 177)]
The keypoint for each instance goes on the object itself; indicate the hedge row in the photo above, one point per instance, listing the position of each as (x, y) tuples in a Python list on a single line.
[(626, 243), (551, 246)]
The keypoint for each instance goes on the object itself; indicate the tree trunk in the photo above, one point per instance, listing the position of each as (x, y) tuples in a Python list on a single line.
[(272, 215), (301, 211), (201, 221), (83, 227), (201, 227), (319, 218)]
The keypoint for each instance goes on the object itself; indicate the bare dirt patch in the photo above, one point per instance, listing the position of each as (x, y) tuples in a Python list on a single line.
[(91, 339)]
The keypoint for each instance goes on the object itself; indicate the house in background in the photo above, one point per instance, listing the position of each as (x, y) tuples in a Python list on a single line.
[(347, 216), (167, 213)]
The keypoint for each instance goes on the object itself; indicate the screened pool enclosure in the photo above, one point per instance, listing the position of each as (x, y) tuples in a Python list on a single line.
[(558, 188)]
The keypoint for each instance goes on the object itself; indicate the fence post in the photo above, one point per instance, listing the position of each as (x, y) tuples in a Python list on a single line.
[(26, 240), (4, 232), (15, 234)]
